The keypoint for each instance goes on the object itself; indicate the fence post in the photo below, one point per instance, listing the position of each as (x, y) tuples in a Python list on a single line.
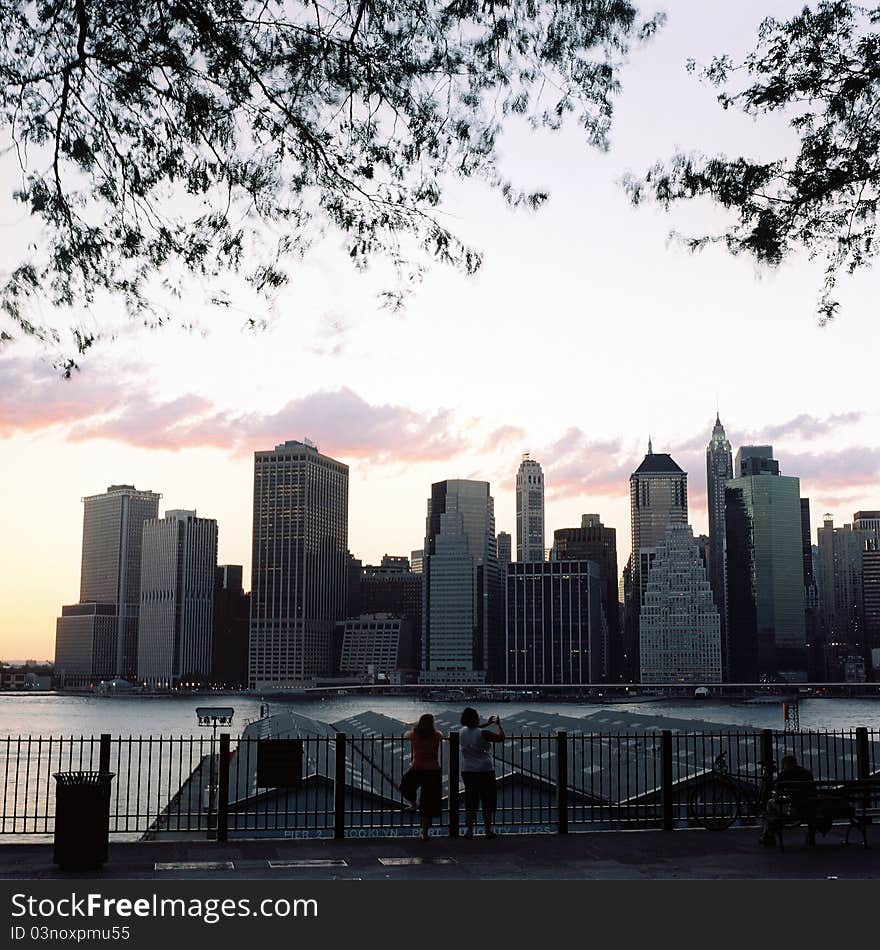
[(104, 753), (666, 779), (562, 781), (862, 763), (339, 789), (223, 789), (767, 750), (454, 777)]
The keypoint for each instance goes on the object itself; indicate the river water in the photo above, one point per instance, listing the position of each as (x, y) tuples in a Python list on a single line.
[(51, 715)]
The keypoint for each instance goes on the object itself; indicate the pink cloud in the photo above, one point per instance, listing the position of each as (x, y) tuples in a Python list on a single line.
[(34, 396)]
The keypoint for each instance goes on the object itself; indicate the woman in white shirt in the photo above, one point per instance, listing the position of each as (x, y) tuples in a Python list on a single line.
[(478, 768)]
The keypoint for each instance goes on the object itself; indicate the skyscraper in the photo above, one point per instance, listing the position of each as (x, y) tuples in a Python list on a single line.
[(176, 620), (765, 570), (840, 575), (867, 521), (529, 511), (592, 541), (679, 626), (658, 498), (505, 548), (554, 623), (97, 637), (232, 610), (461, 639), (755, 460), (299, 564), (719, 469)]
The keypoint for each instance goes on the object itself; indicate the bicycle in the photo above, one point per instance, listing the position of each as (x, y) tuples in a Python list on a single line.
[(720, 800)]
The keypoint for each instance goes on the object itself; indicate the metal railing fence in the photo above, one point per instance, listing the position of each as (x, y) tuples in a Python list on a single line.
[(183, 786)]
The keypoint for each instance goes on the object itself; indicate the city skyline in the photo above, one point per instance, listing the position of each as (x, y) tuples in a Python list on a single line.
[(697, 517), (588, 290)]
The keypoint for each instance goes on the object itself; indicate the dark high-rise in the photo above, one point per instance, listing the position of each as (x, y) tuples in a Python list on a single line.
[(719, 469), (229, 668), (592, 541), (554, 626), (765, 574), (299, 569)]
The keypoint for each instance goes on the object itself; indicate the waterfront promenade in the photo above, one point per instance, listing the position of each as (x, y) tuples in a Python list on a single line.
[(615, 855)]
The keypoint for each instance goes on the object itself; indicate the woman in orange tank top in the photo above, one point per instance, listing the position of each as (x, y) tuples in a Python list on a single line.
[(424, 772)]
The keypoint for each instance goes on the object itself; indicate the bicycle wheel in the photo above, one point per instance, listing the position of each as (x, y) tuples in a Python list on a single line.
[(715, 805)]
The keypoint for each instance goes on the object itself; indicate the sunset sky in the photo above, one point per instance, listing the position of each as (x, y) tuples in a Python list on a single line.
[(585, 331)]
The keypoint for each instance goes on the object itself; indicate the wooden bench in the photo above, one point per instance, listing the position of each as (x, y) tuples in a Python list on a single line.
[(855, 801)]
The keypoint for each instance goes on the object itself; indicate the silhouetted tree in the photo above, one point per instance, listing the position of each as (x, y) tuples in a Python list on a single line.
[(154, 136), (823, 66)]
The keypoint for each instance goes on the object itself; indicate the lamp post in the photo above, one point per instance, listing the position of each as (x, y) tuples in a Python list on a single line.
[(213, 716)]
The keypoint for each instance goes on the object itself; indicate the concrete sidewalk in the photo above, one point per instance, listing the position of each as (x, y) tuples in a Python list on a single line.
[(610, 855)]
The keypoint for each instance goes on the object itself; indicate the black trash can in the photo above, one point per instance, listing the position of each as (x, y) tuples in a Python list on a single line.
[(82, 819)]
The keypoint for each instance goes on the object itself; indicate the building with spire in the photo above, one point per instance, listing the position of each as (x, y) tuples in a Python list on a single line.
[(529, 510), (658, 499), (719, 470)]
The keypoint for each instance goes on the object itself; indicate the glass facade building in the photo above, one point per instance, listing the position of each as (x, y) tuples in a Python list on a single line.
[(110, 578), (461, 609), (765, 577)]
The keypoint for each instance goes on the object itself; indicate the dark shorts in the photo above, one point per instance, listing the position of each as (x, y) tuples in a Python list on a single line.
[(479, 789), (429, 784)]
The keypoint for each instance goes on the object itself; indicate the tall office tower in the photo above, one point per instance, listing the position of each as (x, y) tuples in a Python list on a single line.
[(97, 638), (554, 627), (812, 620), (592, 541), (504, 546), (765, 576), (629, 626), (505, 549), (232, 610), (529, 511), (869, 521), (755, 460), (658, 498), (176, 621), (679, 626), (719, 468), (840, 592), (461, 616), (415, 560), (299, 568), (871, 602)]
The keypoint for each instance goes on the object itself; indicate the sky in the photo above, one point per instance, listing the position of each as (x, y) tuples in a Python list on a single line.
[(586, 331)]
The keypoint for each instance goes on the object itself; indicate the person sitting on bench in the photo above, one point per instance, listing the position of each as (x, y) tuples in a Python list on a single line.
[(797, 783)]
